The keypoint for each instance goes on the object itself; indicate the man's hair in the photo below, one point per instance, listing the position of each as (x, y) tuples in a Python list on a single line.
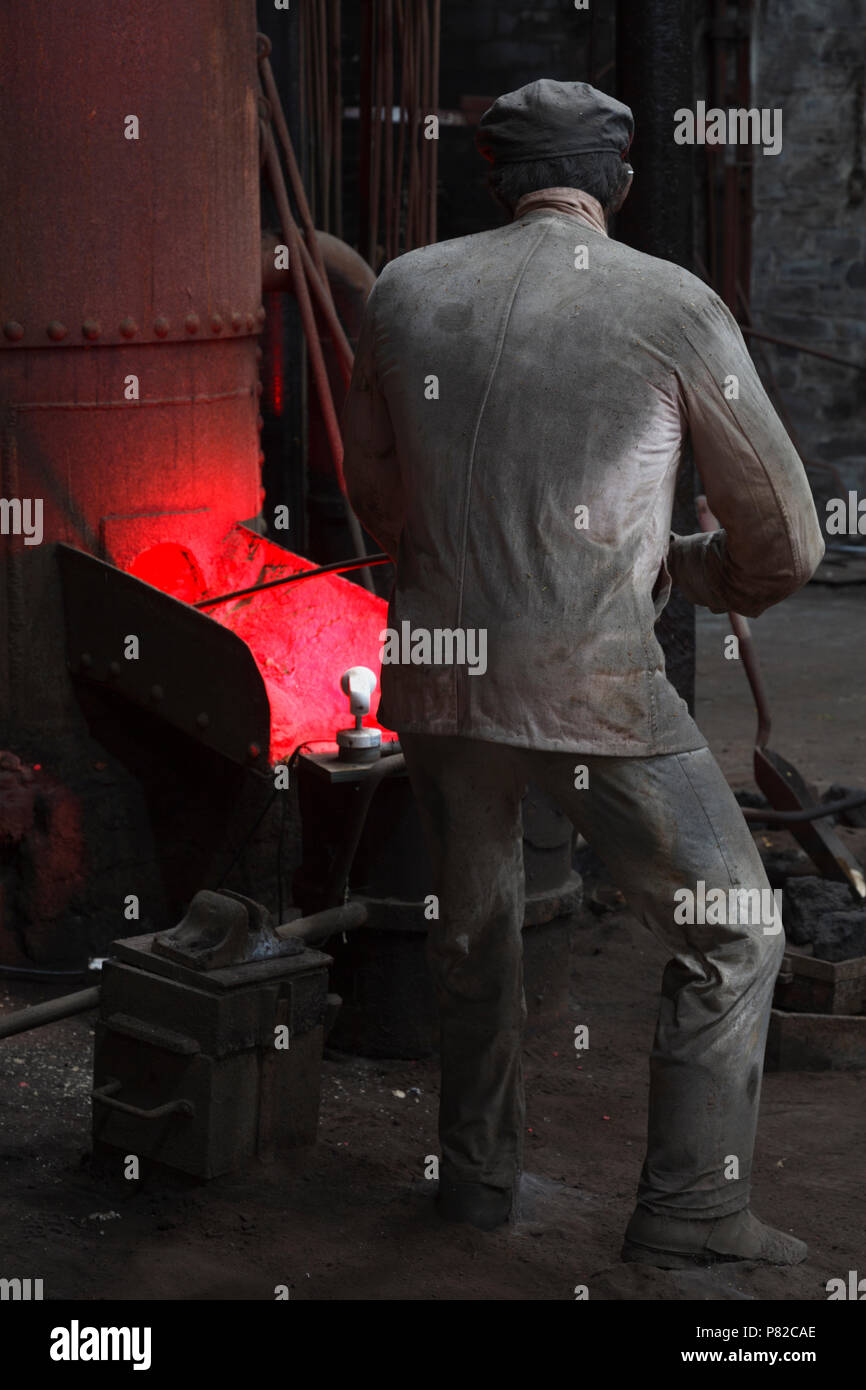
[(603, 176)]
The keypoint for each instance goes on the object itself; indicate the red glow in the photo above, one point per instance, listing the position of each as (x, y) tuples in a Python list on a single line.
[(303, 636), (171, 568), (276, 370)]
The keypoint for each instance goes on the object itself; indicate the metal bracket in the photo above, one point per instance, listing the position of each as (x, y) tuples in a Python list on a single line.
[(188, 670), (105, 1095)]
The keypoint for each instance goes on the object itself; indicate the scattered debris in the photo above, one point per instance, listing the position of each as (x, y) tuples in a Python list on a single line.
[(840, 936), (807, 900), (782, 864), (856, 817)]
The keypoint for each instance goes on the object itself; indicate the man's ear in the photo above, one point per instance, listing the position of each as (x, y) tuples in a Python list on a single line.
[(623, 194)]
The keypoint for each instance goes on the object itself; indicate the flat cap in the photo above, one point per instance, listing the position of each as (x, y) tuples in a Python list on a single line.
[(548, 120)]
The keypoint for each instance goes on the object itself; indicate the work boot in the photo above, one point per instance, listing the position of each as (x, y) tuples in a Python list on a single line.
[(671, 1242), (475, 1203)]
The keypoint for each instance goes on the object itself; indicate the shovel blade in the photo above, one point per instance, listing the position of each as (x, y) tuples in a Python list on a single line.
[(786, 790)]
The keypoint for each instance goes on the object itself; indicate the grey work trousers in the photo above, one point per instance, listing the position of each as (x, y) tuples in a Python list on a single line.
[(659, 824)]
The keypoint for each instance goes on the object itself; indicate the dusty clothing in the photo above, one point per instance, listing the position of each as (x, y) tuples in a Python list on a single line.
[(659, 823), (501, 386)]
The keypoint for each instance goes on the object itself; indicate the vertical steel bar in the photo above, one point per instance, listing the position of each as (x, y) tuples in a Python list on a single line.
[(434, 152), (315, 113), (303, 83), (389, 126), (412, 112), (337, 114), (314, 346), (424, 109), (297, 183), (401, 141), (744, 45), (364, 128), (376, 189), (324, 142)]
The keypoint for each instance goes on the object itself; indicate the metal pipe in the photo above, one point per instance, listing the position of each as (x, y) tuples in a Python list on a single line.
[(776, 393), (39, 1014), (322, 924), (388, 132), (338, 567), (365, 131), (424, 104), (336, 115), (319, 924), (314, 346), (297, 183), (325, 303), (830, 808), (434, 144), (378, 132), (324, 145), (802, 347), (339, 879)]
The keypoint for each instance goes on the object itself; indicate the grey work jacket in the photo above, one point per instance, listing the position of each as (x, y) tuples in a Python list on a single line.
[(513, 432)]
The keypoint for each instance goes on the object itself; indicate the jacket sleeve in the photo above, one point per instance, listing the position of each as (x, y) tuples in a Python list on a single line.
[(370, 464), (770, 542)]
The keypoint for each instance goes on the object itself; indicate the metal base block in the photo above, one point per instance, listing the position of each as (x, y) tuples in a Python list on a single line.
[(821, 986), (816, 1042), (381, 972), (188, 1072)]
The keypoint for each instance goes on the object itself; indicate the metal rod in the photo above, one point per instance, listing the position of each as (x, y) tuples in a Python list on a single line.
[(338, 879), (802, 347), (40, 1014), (365, 131), (337, 116), (314, 346), (388, 133), (396, 197), (412, 18), (297, 183), (345, 355), (376, 184), (830, 808), (337, 567), (325, 923), (434, 151), (424, 107), (324, 145), (303, 68)]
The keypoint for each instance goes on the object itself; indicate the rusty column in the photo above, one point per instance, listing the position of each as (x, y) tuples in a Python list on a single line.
[(654, 62), (130, 300)]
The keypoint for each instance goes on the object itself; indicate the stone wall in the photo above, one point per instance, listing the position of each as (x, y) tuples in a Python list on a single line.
[(809, 251)]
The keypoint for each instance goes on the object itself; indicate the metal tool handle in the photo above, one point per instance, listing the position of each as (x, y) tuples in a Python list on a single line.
[(743, 634), (105, 1094)]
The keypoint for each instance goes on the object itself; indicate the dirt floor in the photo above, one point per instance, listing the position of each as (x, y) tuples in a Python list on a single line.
[(354, 1219)]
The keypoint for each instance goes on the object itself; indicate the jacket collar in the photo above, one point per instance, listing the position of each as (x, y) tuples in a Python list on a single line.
[(569, 200)]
